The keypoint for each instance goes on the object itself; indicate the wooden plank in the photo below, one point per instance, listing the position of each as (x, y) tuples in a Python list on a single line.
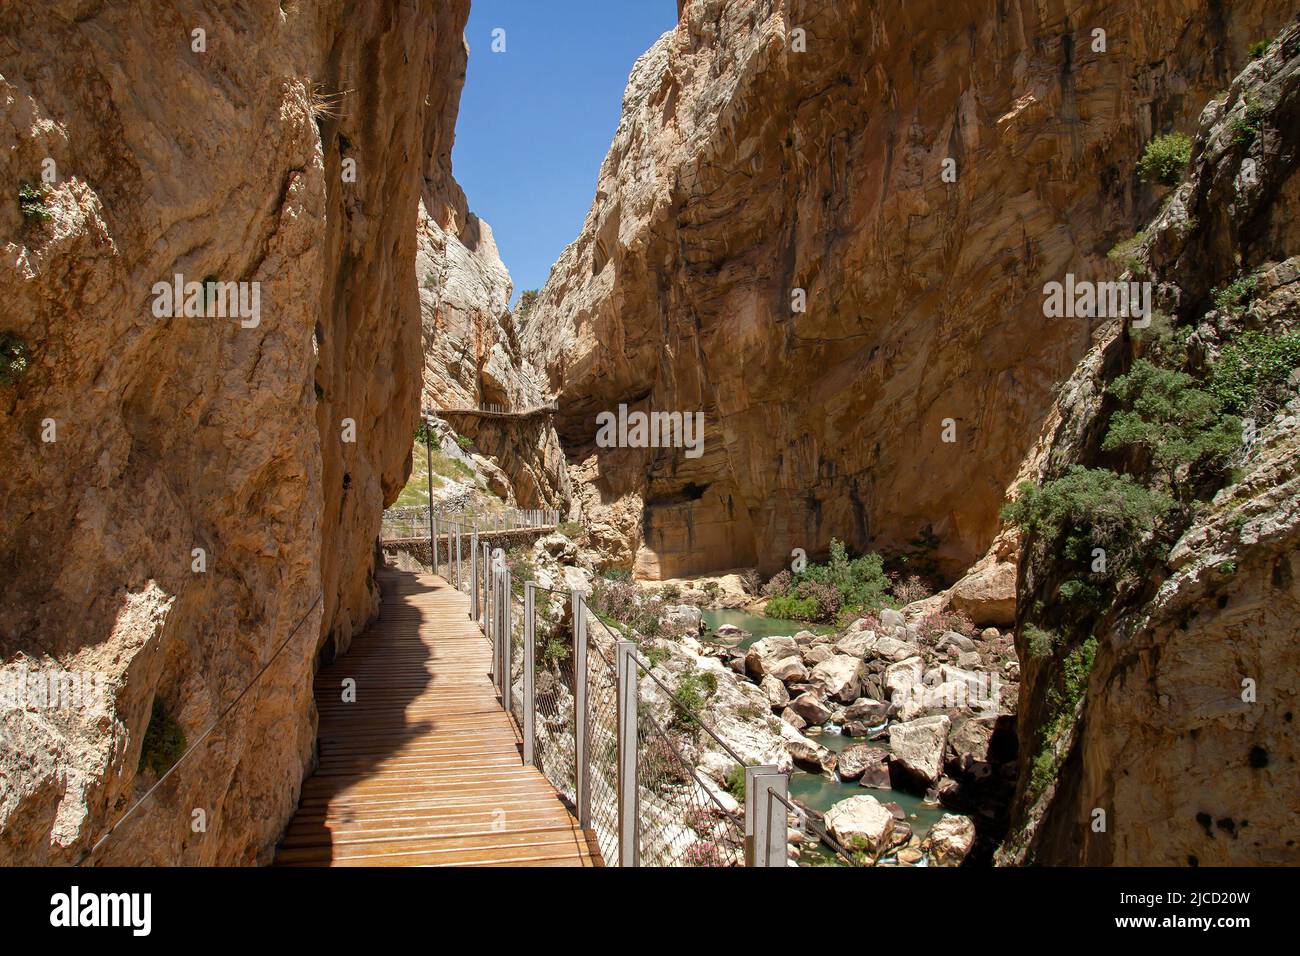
[(424, 767)]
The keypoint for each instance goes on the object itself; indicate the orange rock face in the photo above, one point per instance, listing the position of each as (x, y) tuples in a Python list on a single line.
[(774, 243), (284, 144)]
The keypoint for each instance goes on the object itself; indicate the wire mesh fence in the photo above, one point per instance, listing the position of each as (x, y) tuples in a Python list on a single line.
[(602, 741), (664, 807)]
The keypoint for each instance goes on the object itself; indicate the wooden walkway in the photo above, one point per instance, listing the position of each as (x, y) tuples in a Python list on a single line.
[(424, 769)]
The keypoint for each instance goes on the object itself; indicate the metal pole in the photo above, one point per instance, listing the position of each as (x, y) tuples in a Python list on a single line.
[(458, 529), (507, 641), (766, 832), (428, 474), (530, 676), (582, 761), (473, 574), (433, 523), (629, 849)]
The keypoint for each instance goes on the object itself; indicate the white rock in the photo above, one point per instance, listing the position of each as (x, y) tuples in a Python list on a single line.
[(840, 676), (918, 745), (861, 823)]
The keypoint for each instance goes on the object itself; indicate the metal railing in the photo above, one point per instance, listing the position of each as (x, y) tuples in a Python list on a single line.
[(416, 523), (613, 738)]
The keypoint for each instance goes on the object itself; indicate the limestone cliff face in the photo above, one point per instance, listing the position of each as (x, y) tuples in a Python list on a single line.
[(1185, 735), (472, 354), (288, 144), (743, 170)]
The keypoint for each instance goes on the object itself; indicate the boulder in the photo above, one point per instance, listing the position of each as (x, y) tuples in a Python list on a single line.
[(865, 709), (855, 643), (917, 747), (901, 677), (776, 693), (807, 752), (729, 630), (684, 617), (892, 649), (840, 676), (811, 708), (875, 769), (792, 718), (766, 653), (854, 760), (891, 618), (817, 654), (559, 547), (949, 840), (861, 824), (969, 659), (791, 670), (968, 742), (959, 641), (987, 595)]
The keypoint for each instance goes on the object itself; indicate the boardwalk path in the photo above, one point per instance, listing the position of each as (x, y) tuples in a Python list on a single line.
[(425, 768)]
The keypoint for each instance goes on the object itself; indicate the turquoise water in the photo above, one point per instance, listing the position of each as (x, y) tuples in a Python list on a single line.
[(817, 791), (758, 627)]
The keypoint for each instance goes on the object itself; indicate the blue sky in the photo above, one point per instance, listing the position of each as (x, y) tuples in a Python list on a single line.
[(536, 121)]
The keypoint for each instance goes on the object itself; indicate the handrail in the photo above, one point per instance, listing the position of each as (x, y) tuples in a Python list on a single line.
[(678, 817)]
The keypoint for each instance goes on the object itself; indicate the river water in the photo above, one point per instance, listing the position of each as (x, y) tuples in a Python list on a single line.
[(817, 791)]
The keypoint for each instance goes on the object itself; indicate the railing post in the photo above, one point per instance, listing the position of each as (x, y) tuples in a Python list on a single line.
[(486, 565), (530, 674), (766, 830), (629, 843), (433, 523), (504, 637), (473, 574), (458, 530), (582, 762)]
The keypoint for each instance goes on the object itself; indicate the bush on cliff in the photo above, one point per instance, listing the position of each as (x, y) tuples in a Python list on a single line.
[(1165, 158)]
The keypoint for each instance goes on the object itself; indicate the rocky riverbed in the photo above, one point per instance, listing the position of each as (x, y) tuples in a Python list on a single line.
[(897, 728)]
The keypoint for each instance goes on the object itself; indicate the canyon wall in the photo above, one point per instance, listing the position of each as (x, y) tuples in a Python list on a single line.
[(286, 144), (770, 147), (1181, 748), (472, 352)]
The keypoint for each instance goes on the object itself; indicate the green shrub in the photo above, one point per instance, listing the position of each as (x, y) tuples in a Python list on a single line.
[(790, 608), (1044, 770), (1162, 342), (450, 468), (1125, 254), (31, 203), (1165, 158), (694, 688), (1097, 505), (527, 299), (570, 529), (164, 741), (736, 782), (1258, 49), (1253, 370), (1177, 423), (464, 442), (1247, 127), (616, 574), (1040, 643), (1236, 293), (13, 358)]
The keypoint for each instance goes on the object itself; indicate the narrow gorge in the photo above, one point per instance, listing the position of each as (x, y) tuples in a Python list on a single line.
[(995, 582)]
